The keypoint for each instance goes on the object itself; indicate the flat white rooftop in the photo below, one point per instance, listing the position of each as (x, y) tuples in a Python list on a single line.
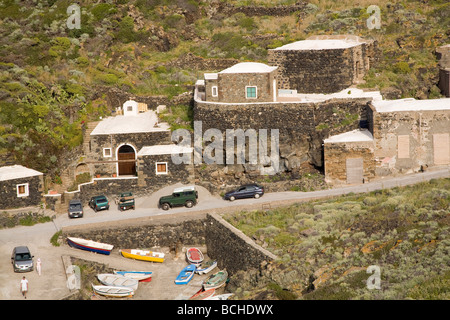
[(164, 149), (142, 122), (351, 136), (320, 44), (249, 67), (411, 104), (292, 95), (17, 172)]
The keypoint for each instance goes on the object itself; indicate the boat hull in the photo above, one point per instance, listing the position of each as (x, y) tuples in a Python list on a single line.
[(206, 267), (185, 275), (141, 276), (194, 256), (133, 254), (216, 280), (116, 280), (91, 246), (203, 294), (110, 291)]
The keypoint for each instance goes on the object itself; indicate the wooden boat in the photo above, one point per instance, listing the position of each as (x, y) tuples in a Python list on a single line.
[(111, 291), (194, 256), (116, 280), (90, 245), (142, 276), (203, 294), (185, 275), (206, 267), (216, 280), (224, 296), (144, 255)]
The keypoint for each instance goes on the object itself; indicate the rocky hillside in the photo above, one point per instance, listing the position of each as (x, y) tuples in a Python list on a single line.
[(55, 79)]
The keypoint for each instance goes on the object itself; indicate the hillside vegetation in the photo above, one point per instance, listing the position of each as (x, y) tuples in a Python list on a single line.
[(325, 247), (55, 79)]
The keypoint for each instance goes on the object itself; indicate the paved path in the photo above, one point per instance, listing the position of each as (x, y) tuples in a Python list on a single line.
[(52, 283)]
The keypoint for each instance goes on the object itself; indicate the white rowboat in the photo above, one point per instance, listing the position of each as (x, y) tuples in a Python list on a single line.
[(117, 280), (111, 291)]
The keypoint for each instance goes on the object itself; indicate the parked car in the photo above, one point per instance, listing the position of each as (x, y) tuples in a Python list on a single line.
[(186, 196), (99, 203), (75, 209), (245, 191), (125, 201), (21, 259)]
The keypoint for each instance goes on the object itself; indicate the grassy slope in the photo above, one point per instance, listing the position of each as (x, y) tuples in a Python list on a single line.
[(404, 231)]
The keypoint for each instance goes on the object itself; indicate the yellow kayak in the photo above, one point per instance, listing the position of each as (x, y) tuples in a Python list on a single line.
[(144, 255)]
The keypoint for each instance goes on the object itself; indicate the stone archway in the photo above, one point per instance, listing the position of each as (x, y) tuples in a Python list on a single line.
[(126, 156)]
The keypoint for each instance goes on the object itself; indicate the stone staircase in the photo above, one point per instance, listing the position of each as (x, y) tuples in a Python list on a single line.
[(87, 135)]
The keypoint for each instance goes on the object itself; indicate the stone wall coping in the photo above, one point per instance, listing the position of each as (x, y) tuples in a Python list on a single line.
[(241, 235), (99, 179)]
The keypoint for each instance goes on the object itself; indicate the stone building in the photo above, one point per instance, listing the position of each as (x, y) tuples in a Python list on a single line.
[(157, 169), (404, 136), (20, 187), (243, 82), (115, 141), (322, 64)]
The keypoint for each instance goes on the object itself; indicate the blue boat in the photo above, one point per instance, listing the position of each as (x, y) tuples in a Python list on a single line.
[(90, 245), (186, 274)]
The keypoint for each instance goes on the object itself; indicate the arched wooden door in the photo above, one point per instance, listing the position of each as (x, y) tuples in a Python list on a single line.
[(126, 157)]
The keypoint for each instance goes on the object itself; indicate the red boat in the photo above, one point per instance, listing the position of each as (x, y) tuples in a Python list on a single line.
[(194, 256)]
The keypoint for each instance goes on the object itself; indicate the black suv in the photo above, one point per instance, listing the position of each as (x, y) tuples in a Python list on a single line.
[(245, 191)]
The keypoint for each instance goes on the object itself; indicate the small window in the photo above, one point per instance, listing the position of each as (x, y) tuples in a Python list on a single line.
[(250, 92), (161, 168), (130, 108), (214, 91), (22, 190), (107, 153)]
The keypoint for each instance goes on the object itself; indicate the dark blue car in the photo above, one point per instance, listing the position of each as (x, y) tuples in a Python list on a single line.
[(245, 191)]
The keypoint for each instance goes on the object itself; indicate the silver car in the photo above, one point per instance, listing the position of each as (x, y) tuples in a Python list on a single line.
[(75, 209), (22, 259)]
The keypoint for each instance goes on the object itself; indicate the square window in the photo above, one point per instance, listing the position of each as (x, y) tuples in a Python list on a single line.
[(107, 153), (22, 190), (161, 167), (250, 92)]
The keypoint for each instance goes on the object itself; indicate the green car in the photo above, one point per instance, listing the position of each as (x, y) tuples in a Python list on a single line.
[(99, 203), (186, 196)]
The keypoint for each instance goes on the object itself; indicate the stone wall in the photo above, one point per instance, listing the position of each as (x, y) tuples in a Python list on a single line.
[(147, 172), (224, 243), (231, 248), (8, 191), (417, 128), (322, 71), (144, 234), (302, 126), (110, 187)]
